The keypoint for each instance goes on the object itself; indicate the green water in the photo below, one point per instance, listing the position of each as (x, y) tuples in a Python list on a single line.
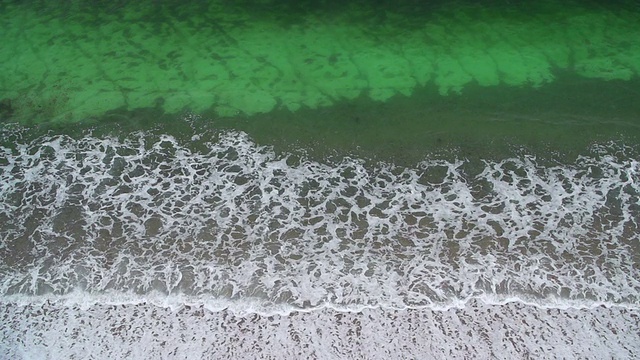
[(400, 79)]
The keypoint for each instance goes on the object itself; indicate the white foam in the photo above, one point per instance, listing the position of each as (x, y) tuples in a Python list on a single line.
[(239, 225), (510, 331)]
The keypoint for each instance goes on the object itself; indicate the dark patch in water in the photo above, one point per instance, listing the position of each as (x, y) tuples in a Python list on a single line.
[(6, 110)]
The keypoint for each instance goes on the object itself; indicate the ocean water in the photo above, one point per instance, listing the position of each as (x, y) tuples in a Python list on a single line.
[(328, 180)]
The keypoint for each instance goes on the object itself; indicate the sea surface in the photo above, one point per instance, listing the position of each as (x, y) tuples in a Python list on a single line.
[(319, 180)]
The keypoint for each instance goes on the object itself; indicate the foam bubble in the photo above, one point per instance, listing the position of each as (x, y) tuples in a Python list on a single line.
[(237, 222)]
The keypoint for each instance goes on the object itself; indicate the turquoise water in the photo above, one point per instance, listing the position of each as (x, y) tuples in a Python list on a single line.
[(319, 180)]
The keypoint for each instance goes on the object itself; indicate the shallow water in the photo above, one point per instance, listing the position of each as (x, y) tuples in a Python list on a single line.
[(239, 221), (505, 331), (233, 228)]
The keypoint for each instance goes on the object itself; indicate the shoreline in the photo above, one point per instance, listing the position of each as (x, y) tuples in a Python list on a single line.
[(514, 331)]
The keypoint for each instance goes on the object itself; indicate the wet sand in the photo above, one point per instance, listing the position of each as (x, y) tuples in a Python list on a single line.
[(510, 331)]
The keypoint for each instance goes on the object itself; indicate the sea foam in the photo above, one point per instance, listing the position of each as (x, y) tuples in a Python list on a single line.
[(237, 223), (142, 331)]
